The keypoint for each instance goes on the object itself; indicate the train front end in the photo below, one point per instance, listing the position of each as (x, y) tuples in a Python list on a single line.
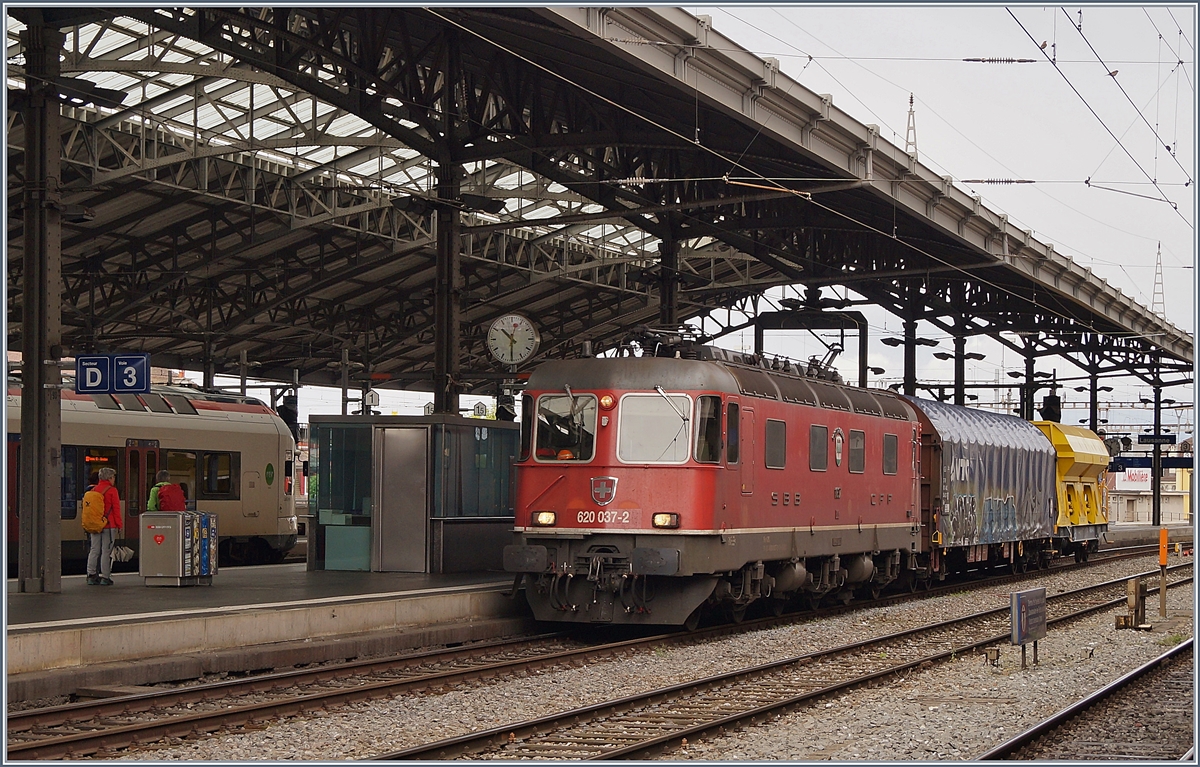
[(618, 481)]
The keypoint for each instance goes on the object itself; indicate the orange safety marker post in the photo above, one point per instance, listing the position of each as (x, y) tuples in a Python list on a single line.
[(1162, 572)]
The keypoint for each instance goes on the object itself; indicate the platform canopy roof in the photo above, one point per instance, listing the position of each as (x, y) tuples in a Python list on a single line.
[(265, 180)]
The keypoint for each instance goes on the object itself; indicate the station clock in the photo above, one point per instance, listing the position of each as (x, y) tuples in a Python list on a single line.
[(513, 339)]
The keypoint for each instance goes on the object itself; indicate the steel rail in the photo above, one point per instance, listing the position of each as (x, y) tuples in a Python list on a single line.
[(475, 743), (1017, 743), (184, 723)]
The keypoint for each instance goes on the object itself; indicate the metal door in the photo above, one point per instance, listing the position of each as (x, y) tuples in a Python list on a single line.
[(749, 450), (399, 514)]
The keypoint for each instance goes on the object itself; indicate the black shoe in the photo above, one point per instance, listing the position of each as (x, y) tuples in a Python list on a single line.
[(105, 581), (93, 580)]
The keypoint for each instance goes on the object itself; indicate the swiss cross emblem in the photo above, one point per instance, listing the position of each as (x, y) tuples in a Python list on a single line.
[(604, 489)]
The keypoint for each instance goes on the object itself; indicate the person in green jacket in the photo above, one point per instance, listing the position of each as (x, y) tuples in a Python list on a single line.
[(166, 495)]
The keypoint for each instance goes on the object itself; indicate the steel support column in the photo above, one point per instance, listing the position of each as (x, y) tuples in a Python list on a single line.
[(1093, 400), (910, 357), (39, 560), (1029, 391), (1156, 460), (960, 370), (447, 301), (668, 283)]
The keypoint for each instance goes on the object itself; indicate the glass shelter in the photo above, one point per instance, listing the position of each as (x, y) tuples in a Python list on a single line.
[(410, 493)]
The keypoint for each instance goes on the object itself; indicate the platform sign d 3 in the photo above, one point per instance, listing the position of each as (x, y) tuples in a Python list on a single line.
[(1028, 616), (112, 374)]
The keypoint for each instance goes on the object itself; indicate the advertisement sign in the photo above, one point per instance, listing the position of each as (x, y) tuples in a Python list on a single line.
[(1135, 479), (1028, 616)]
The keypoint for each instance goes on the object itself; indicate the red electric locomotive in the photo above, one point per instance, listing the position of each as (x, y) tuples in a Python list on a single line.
[(651, 486)]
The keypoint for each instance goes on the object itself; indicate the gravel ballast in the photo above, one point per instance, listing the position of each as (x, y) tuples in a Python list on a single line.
[(954, 710)]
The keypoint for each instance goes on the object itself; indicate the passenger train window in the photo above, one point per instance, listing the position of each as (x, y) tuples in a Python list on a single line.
[(95, 459), (566, 427), (181, 404), (130, 402), (708, 430), (218, 479), (105, 402), (654, 428), (890, 450), (733, 449), (182, 466), (858, 451), (526, 427), (775, 456), (71, 491), (155, 403), (818, 448)]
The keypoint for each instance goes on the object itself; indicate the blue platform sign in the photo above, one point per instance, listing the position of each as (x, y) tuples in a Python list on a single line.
[(112, 374), (1028, 616)]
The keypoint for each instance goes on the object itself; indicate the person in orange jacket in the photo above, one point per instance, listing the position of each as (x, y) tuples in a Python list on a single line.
[(99, 562)]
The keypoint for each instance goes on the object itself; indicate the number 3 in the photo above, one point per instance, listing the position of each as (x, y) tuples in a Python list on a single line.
[(131, 377)]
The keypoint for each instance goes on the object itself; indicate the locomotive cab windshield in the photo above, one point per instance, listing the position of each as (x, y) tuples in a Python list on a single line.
[(566, 427)]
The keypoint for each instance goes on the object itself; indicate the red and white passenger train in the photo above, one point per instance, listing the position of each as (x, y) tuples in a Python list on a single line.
[(653, 487), (232, 455)]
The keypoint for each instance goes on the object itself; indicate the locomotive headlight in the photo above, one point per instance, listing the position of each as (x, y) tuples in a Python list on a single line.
[(544, 518), (666, 520), (607, 401)]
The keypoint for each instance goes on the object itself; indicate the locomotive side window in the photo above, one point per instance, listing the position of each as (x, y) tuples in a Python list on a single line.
[(890, 450), (526, 427), (566, 427), (858, 451), (776, 450), (818, 448), (733, 450), (654, 428), (708, 430)]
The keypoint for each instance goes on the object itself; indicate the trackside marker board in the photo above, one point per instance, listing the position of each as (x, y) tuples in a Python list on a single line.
[(1028, 616)]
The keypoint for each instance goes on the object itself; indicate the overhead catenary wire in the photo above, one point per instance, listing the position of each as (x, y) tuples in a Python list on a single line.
[(1066, 79), (716, 153), (1130, 100)]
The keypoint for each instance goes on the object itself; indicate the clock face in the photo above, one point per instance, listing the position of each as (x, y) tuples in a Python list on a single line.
[(512, 339)]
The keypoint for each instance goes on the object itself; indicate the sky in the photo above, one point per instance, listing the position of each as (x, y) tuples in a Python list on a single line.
[(1058, 126), (1091, 130)]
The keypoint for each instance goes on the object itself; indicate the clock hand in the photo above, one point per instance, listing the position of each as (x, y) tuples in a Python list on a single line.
[(510, 335)]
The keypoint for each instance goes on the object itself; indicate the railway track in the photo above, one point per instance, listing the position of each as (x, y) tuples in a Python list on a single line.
[(640, 726), (1146, 714), (104, 726)]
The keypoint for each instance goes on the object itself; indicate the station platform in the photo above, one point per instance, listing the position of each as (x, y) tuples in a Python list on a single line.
[(251, 618), (1136, 534)]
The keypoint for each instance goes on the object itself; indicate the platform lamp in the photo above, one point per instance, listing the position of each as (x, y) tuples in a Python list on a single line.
[(966, 355), (900, 341)]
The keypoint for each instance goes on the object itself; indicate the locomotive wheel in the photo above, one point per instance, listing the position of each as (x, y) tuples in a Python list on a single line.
[(778, 606), (814, 601), (737, 613), (693, 621), (876, 591)]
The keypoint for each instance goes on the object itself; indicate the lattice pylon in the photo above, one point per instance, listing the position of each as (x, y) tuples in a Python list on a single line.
[(1158, 304), (910, 135)]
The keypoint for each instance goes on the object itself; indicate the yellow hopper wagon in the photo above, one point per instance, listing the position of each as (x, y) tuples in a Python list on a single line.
[(1082, 517)]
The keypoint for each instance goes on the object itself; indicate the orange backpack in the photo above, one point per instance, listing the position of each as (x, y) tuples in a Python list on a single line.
[(93, 519)]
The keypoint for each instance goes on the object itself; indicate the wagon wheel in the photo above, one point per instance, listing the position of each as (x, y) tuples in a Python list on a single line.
[(814, 601), (738, 613), (778, 607), (693, 621), (876, 590)]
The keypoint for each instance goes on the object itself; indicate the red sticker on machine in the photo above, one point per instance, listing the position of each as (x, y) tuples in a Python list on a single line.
[(159, 539), (607, 517)]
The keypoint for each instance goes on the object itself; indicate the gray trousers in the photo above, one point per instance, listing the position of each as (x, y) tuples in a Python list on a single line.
[(100, 552)]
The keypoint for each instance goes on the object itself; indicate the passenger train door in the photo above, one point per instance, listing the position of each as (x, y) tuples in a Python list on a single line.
[(141, 464)]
